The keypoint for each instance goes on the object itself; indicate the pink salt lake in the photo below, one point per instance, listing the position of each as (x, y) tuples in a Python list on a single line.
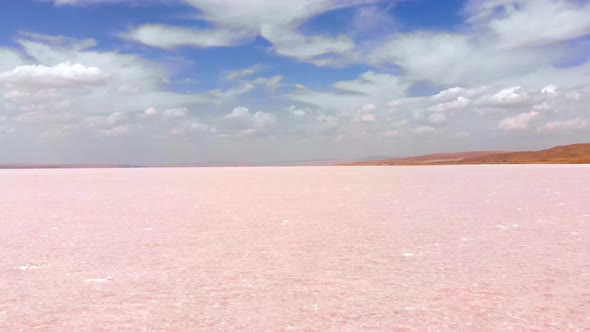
[(465, 248)]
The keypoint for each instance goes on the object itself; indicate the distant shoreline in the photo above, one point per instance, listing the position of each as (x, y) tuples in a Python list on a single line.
[(565, 154)]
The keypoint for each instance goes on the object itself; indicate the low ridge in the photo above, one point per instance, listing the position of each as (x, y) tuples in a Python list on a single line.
[(565, 154)]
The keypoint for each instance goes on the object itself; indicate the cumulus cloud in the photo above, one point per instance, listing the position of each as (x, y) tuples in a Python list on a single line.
[(366, 114), (298, 112), (87, 80), (452, 106), (150, 112), (175, 112), (195, 127), (520, 121), (551, 90), (509, 96), (63, 75), (168, 113), (116, 118), (241, 122), (565, 125)]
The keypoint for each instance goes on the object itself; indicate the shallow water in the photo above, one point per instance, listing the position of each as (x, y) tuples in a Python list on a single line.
[(473, 248)]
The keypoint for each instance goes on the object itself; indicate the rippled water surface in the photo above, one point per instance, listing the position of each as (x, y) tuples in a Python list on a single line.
[(472, 248)]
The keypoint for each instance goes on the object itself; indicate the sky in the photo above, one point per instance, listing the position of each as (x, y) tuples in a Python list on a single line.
[(156, 82)]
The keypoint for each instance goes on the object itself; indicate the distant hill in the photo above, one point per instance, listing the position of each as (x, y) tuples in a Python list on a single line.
[(566, 154)]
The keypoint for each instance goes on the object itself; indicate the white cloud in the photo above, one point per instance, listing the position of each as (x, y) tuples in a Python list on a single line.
[(368, 117), (297, 112), (237, 22), (175, 112), (508, 98), (170, 37), (539, 22), (116, 118), (551, 90), (520, 121), (9, 59), (506, 42), (367, 113), (327, 124), (229, 94), (198, 126), (290, 43), (150, 112), (236, 74), (449, 94), (240, 122), (271, 83), (565, 125), (195, 127), (452, 106), (92, 86), (63, 75), (348, 96)]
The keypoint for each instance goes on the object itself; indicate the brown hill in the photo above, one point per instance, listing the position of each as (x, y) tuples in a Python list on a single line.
[(567, 154)]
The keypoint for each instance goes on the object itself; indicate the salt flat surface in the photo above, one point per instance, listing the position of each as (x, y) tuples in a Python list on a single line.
[(472, 248)]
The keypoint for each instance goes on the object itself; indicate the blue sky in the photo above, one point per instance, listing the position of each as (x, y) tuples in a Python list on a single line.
[(180, 81)]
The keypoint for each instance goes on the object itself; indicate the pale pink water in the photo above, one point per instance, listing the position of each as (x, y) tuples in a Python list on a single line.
[(472, 248)]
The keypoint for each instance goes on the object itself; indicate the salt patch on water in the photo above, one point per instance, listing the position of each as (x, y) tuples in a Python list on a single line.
[(30, 267), (99, 280)]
